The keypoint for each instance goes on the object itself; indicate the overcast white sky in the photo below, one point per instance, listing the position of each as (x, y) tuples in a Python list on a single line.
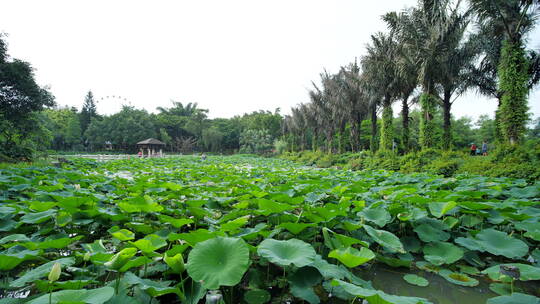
[(228, 56)]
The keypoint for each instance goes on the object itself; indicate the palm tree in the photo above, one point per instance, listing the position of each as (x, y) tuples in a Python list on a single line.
[(505, 23), (456, 65), (379, 66), (423, 31), (353, 105), (322, 102)]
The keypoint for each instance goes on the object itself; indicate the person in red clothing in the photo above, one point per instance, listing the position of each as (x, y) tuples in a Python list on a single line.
[(473, 149)]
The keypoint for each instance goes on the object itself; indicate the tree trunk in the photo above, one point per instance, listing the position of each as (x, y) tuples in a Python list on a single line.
[(329, 141), (373, 141), (387, 130), (354, 136), (447, 128), (513, 80), (427, 129), (405, 115)]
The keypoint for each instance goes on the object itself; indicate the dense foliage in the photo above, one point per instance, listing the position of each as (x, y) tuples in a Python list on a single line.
[(258, 230), (21, 98), (432, 53)]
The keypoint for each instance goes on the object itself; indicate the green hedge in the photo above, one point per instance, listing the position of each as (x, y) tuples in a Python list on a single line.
[(516, 161)]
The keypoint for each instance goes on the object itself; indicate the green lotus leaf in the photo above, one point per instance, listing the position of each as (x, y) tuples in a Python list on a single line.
[(352, 257), (379, 216), (430, 232), (334, 240), (235, 224), (193, 237), (329, 211), (267, 207), (140, 204), (11, 260), (385, 239), (514, 298), (400, 261), (153, 288), (439, 253), (176, 262), (416, 280), (150, 243), (438, 209), (90, 296), (220, 261), (295, 228), (40, 272), (121, 258), (285, 253), (175, 222), (123, 235), (17, 238), (136, 262), (527, 272), (500, 243), (377, 296), (257, 296), (501, 289), (302, 282), (458, 278), (39, 217)]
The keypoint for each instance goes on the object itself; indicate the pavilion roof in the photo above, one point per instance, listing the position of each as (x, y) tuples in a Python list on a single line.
[(151, 141)]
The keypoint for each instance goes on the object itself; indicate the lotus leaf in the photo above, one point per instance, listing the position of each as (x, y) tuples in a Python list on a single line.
[(458, 278), (257, 296), (285, 253), (379, 216), (385, 239), (500, 243), (377, 296), (352, 257), (302, 282), (90, 296), (416, 280), (439, 253), (438, 209), (220, 261), (527, 272), (514, 299)]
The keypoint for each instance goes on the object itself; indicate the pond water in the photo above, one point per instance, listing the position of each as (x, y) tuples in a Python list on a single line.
[(439, 291)]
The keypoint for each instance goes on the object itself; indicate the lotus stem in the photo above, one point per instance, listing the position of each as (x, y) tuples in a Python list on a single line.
[(117, 285), (512, 286)]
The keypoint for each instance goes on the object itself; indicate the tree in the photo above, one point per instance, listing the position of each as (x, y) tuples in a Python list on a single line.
[(426, 31), (212, 139), (256, 141), (510, 20), (353, 102), (88, 111), (21, 98), (123, 129), (381, 71)]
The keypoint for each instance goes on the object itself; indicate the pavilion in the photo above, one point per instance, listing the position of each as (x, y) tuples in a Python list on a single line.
[(151, 145)]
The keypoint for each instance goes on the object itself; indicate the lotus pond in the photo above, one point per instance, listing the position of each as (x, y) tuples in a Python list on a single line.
[(250, 230)]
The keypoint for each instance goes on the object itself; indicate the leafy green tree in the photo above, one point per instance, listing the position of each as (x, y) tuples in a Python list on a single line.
[(88, 111), (212, 139), (21, 98), (123, 129), (381, 71), (509, 22), (256, 141)]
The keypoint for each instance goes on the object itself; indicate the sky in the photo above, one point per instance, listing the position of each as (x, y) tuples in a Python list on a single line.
[(230, 57)]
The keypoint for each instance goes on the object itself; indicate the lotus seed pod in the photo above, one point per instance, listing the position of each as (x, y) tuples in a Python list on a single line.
[(86, 257), (54, 275)]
